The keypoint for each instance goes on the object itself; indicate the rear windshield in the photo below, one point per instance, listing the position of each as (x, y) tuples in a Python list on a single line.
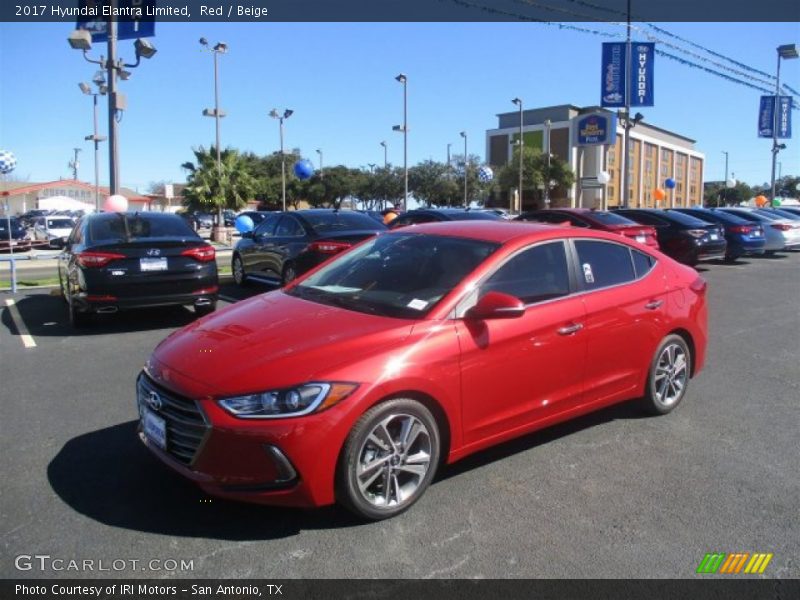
[(609, 218), (125, 227), (716, 217), (341, 221), (687, 220), (60, 223)]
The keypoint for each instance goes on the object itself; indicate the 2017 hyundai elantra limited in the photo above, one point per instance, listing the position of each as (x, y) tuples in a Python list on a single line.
[(416, 348)]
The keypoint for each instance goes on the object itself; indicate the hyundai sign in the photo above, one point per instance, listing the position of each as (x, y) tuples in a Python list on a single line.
[(641, 74), (596, 129), (766, 117)]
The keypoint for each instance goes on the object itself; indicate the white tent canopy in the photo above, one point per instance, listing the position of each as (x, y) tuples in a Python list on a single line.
[(64, 203)]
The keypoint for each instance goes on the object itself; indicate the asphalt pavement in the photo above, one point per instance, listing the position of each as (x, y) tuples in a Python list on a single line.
[(614, 494)]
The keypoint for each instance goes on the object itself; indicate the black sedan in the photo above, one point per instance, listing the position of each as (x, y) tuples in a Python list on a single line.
[(13, 236), (683, 237), (287, 244), (435, 215), (116, 261)]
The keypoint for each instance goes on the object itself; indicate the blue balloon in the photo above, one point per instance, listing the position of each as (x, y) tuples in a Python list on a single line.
[(303, 169), (244, 224), (669, 183)]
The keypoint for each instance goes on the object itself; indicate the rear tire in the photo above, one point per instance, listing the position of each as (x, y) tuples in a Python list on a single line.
[(77, 319), (205, 309), (289, 274), (389, 459), (668, 376)]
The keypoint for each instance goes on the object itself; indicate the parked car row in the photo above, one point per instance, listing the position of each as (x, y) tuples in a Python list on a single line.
[(690, 235)]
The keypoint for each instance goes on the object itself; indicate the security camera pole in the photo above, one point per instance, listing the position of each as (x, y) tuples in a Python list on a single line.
[(626, 141)]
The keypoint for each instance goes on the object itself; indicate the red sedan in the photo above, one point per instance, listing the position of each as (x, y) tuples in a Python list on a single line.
[(416, 348), (595, 219)]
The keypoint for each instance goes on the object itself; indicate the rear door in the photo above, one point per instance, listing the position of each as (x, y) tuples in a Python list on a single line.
[(289, 240), (625, 300), (255, 254)]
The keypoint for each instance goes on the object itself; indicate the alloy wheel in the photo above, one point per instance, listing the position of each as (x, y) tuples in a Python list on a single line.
[(671, 375)]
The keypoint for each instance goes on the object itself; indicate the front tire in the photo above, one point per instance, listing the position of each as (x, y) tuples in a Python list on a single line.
[(389, 459), (668, 377), (289, 274), (237, 268)]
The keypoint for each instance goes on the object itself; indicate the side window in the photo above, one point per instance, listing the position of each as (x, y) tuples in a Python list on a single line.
[(603, 264), (536, 274), (550, 218), (267, 226), (289, 227), (642, 263), (576, 222), (76, 237)]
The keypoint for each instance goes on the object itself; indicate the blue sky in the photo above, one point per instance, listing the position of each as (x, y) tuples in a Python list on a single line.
[(339, 80)]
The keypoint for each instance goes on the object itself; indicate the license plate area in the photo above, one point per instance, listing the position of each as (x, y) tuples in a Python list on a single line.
[(153, 264), (154, 427), (714, 236)]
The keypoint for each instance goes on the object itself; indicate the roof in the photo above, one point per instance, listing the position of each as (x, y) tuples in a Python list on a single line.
[(14, 188)]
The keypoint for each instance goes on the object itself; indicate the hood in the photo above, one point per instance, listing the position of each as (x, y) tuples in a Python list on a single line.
[(269, 341)]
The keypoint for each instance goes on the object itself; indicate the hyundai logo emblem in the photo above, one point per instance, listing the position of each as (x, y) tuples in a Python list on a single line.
[(154, 401)]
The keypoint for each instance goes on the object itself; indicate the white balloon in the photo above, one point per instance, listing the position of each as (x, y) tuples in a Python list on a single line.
[(731, 183), (603, 177)]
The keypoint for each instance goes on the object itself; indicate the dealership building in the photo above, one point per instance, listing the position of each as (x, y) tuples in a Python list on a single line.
[(656, 155)]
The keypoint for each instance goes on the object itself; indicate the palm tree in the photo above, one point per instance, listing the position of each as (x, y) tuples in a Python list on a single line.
[(211, 188)]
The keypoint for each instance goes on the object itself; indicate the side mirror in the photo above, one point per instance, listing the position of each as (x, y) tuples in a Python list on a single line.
[(496, 305)]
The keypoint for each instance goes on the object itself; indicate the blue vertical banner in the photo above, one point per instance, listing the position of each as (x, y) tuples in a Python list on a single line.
[(642, 73), (766, 117), (612, 85)]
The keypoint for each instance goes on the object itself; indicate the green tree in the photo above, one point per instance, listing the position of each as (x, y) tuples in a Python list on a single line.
[(211, 188), (718, 194), (379, 187), (534, 173)]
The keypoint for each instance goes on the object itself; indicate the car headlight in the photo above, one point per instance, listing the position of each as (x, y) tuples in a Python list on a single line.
[(289, 402)]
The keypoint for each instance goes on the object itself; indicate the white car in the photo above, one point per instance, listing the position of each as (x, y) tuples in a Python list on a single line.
[(781, 234), (54, 230)]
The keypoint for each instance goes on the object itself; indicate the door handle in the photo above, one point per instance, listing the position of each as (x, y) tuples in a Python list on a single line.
[(570, 329), (653, 304)]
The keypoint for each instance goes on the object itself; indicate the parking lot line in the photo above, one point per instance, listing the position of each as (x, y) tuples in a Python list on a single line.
[(27, 338)]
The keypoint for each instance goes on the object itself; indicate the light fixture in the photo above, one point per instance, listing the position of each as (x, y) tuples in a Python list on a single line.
[(80, 39), (99, 78), (401, 78), (788, 51), (144, 49), (221, 47), (204, 41), (85, 88)]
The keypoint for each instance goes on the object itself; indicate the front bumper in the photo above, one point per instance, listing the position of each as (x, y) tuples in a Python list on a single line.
[(283, 462)]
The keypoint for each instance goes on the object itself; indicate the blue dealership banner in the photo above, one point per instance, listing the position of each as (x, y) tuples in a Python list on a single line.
[(612, 90), (642, 73), (596, 129), (134, 18), (641, 77), (766, 117)]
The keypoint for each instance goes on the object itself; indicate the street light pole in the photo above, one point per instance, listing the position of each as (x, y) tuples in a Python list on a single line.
[(95, 137), (464, 135), (518, 101), (547, 178), (404, 80), (385, 155), (286, 114), (626, 141), (81, 39), (785, 51), (217, 113), (319, 151)]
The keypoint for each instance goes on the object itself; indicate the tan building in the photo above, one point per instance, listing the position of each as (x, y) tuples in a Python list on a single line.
[(18, 197), (656, 154)]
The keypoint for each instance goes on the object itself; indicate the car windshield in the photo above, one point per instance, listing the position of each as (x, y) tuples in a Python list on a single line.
[(470, 215), (112, 227), (609, 218), (402, 275), (59, 224), (327, 222)]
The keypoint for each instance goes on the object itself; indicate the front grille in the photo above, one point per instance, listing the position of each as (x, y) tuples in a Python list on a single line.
[(186, 426)]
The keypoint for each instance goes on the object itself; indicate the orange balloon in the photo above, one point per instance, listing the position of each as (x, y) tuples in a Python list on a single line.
[(761, 200), (659, 194)]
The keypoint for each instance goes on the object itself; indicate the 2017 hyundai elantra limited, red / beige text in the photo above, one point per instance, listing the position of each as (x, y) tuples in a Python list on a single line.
[(413, 349)]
